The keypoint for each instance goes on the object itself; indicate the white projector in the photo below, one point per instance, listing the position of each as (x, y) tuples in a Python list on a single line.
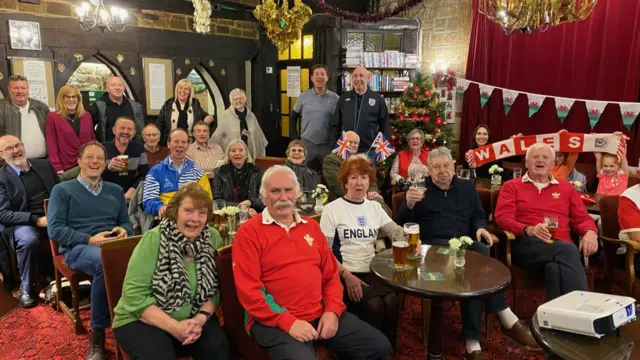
[(587, 313)]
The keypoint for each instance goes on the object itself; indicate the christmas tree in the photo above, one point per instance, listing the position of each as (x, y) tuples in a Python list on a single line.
[(420, 107)]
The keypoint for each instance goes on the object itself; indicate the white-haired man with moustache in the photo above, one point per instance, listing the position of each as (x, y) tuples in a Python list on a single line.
[(522, 205), (287, 280)]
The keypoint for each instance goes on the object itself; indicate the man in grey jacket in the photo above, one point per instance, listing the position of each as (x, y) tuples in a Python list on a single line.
[(24, 117), (113, 105)]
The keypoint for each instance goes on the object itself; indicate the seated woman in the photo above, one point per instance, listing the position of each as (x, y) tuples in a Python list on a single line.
[(238, 180), (239, 122), (296, 160), (205, 154), (182, 111), (67, 129), (482, 137), (411, 163), (170, 292), (351, 225)]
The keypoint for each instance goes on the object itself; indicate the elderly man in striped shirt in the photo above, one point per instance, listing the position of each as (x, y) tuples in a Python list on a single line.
[(164, 179)]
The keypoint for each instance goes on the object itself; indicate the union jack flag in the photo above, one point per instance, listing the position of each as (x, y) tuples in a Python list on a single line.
[(383, 148), (341, 148)]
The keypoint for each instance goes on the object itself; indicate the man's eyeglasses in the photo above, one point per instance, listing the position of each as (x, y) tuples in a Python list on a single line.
[(17, 78), (13, 148)]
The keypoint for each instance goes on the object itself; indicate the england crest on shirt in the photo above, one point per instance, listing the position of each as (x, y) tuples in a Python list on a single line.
[(372, 102), (362, 221)]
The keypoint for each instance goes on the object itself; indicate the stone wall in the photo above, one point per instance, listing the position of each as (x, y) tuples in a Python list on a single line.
[(89, 76), (141, 18)]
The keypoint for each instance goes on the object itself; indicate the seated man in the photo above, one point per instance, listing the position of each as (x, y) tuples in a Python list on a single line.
[(629, 217), (522, 205), (131, 172), (24, 185), (82, 214), (167, 177), (452, 208), (287, 280)]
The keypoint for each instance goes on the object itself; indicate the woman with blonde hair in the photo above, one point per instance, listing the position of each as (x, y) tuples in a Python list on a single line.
[(238, 180), (182, 111), (238, 122), (67, 129), (170, 292)]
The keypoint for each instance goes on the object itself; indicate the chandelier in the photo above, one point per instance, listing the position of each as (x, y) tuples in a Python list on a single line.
[(538, 15), (283, 25), (94, 14)]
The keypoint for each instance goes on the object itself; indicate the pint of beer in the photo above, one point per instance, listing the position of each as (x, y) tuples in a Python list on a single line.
[(551, 223), (412, 232), (125, 169), (400, 253)]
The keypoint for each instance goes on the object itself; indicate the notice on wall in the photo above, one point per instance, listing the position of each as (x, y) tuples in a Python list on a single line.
[(448, 99), (293, 81), (36, 73), (157, 86)]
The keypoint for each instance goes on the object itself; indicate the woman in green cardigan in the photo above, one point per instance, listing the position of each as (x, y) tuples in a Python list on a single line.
[(170, 292)]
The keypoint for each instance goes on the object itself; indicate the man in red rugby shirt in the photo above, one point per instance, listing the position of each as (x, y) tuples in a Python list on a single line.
[(522, 205), (629, 217), (287, 280)]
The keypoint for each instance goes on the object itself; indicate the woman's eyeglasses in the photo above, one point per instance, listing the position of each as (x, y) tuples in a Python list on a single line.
[(70, 97)]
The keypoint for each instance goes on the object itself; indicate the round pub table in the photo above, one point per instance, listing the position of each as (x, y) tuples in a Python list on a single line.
[(563, 345), (481, 276)]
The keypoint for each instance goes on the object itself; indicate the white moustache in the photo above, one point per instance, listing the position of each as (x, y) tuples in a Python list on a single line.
[(283, 204)]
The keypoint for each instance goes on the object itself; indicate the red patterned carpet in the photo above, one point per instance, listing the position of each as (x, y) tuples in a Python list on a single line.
[(42, 333)]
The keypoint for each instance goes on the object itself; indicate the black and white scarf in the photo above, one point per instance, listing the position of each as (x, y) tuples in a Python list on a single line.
[(170, 283)]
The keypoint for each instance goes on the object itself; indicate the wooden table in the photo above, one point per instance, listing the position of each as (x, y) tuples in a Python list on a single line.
[(568, 346), (481, 277)]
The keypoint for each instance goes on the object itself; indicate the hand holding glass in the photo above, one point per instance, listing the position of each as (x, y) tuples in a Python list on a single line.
[(551, 223)]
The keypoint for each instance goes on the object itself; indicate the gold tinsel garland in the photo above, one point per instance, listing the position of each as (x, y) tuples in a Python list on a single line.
[(201, 16), (283, 25)]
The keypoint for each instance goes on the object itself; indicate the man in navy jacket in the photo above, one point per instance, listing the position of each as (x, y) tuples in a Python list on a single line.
[(24, 185), (451, 208)]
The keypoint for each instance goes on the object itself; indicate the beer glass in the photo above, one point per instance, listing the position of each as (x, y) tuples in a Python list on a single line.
[(243, 215), (517, 172), (412, 233), (400, 253), (218, 205), (459, 169), (551, 223), (125, 169), (466, 174)]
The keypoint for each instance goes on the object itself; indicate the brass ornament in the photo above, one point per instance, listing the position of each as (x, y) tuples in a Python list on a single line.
[(222, 72), (1, 76), (78, 57), (283, 25), (61, 67), (187, 62), (132, 71), (211, 63), (120, 58), (178, 71)]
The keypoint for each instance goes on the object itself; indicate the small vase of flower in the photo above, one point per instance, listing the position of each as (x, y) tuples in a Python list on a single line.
[(230, 214), (459, 247), (578, 185), (321, 194), (496, 175)]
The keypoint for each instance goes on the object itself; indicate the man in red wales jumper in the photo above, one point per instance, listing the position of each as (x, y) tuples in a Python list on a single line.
[(287, 280), (522, 205)]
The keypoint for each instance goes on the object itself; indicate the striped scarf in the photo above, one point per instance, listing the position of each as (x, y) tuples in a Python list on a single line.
[(170, 283)]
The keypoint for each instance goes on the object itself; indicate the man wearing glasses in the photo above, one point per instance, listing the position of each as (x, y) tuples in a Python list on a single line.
[(155, 152), (24, 117), (24, 185)]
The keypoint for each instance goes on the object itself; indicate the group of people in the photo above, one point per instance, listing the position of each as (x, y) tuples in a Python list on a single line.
[(299, 281)]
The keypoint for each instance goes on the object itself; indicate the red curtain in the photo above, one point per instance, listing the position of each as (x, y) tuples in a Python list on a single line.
[(597, 58)]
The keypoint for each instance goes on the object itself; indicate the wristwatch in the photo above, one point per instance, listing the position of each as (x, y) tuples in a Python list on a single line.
[(205, 313)]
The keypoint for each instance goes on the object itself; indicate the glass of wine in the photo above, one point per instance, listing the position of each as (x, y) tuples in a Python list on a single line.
[(219, 218), (551, 223)]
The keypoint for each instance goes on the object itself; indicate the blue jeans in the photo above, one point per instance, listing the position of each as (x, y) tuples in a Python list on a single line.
[(86, 258), (27, 240)]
